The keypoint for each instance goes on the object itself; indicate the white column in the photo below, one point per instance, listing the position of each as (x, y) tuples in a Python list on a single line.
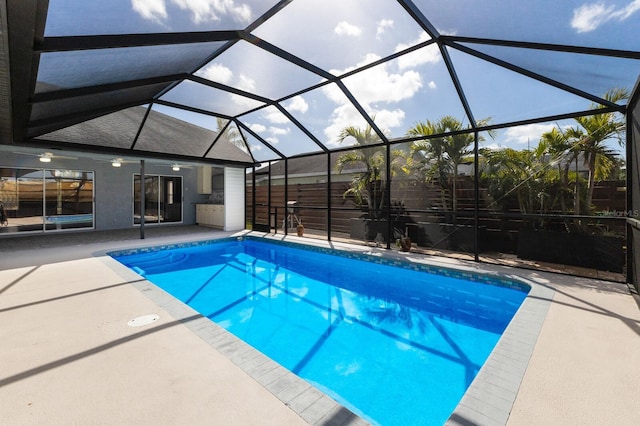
[(234, 199)]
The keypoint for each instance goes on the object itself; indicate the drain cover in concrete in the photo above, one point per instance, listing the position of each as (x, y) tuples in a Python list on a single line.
[(143, 320)]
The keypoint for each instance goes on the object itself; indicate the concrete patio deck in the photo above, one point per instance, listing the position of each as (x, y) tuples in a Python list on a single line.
[(68, 357)]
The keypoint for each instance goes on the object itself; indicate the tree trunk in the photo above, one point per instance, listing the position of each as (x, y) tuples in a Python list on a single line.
[(564, 181), (576, 193), (592, 179)]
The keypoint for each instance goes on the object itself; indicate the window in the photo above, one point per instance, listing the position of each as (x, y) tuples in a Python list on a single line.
[(46, 199)]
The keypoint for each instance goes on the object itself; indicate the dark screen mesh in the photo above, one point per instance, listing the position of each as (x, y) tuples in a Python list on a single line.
[(80, 104), (531, 21), (634, 169), (568, 68), (101, 66)]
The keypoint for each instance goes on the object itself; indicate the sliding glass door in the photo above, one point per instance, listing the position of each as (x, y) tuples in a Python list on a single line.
[(162, 199)]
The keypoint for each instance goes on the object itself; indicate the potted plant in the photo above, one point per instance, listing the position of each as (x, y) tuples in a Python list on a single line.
[(404, 242)]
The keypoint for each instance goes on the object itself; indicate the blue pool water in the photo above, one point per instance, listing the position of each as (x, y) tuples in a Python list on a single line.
[(396, 345)]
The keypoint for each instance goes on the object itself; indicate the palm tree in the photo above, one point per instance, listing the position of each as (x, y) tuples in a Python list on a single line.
[(426, 157), (523, 174), (231, 133), (441, 156), (368, 186), (591, 135), (562, 152)]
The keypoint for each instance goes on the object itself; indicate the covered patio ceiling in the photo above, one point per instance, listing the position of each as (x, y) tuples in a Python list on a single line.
[(248, 81)]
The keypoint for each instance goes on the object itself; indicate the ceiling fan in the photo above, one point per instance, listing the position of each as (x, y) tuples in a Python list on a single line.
[(46, 157), (176, 167), (118, 162)]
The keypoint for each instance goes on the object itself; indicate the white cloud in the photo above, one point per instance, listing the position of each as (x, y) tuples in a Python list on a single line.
[(279, 131), (273, 115), (374, 88), (448, 32), (298, 103), (426, 55), (383, 25), (334, 94), (246, 83), (345, 28), (244, 102), (221, 74), (153, 10), (212, 10), (257, 128), (343, 116), (216, 72), (627, 11), (273, 131), (422, 37), (201, 10), (432, 85), (530, 133), (589, 17), (388, 119), (377, 84)]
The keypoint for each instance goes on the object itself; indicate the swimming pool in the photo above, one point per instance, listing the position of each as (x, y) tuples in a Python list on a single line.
[(371, 335)]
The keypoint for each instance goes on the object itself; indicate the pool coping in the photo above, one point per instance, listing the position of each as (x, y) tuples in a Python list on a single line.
[(487, 401)]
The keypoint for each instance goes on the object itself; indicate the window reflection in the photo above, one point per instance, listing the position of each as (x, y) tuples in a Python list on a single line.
[(49, 199), (68, 199)]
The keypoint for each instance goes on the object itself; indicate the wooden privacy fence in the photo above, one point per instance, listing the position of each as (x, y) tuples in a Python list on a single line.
[(311, 202), (425, 203)]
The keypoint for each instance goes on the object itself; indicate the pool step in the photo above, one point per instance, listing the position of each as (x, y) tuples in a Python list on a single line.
[(144, 263)]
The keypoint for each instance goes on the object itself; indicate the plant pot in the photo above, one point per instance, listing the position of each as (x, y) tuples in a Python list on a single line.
[(405, 244), (300, 230)]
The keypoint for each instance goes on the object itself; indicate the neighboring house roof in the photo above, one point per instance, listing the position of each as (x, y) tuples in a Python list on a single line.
[(308, 166)]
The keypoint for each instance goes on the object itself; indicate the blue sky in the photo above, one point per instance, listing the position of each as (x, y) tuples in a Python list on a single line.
[(342, 35)]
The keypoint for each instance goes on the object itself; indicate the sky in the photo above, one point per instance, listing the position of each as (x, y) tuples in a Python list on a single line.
[(339, 36)]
